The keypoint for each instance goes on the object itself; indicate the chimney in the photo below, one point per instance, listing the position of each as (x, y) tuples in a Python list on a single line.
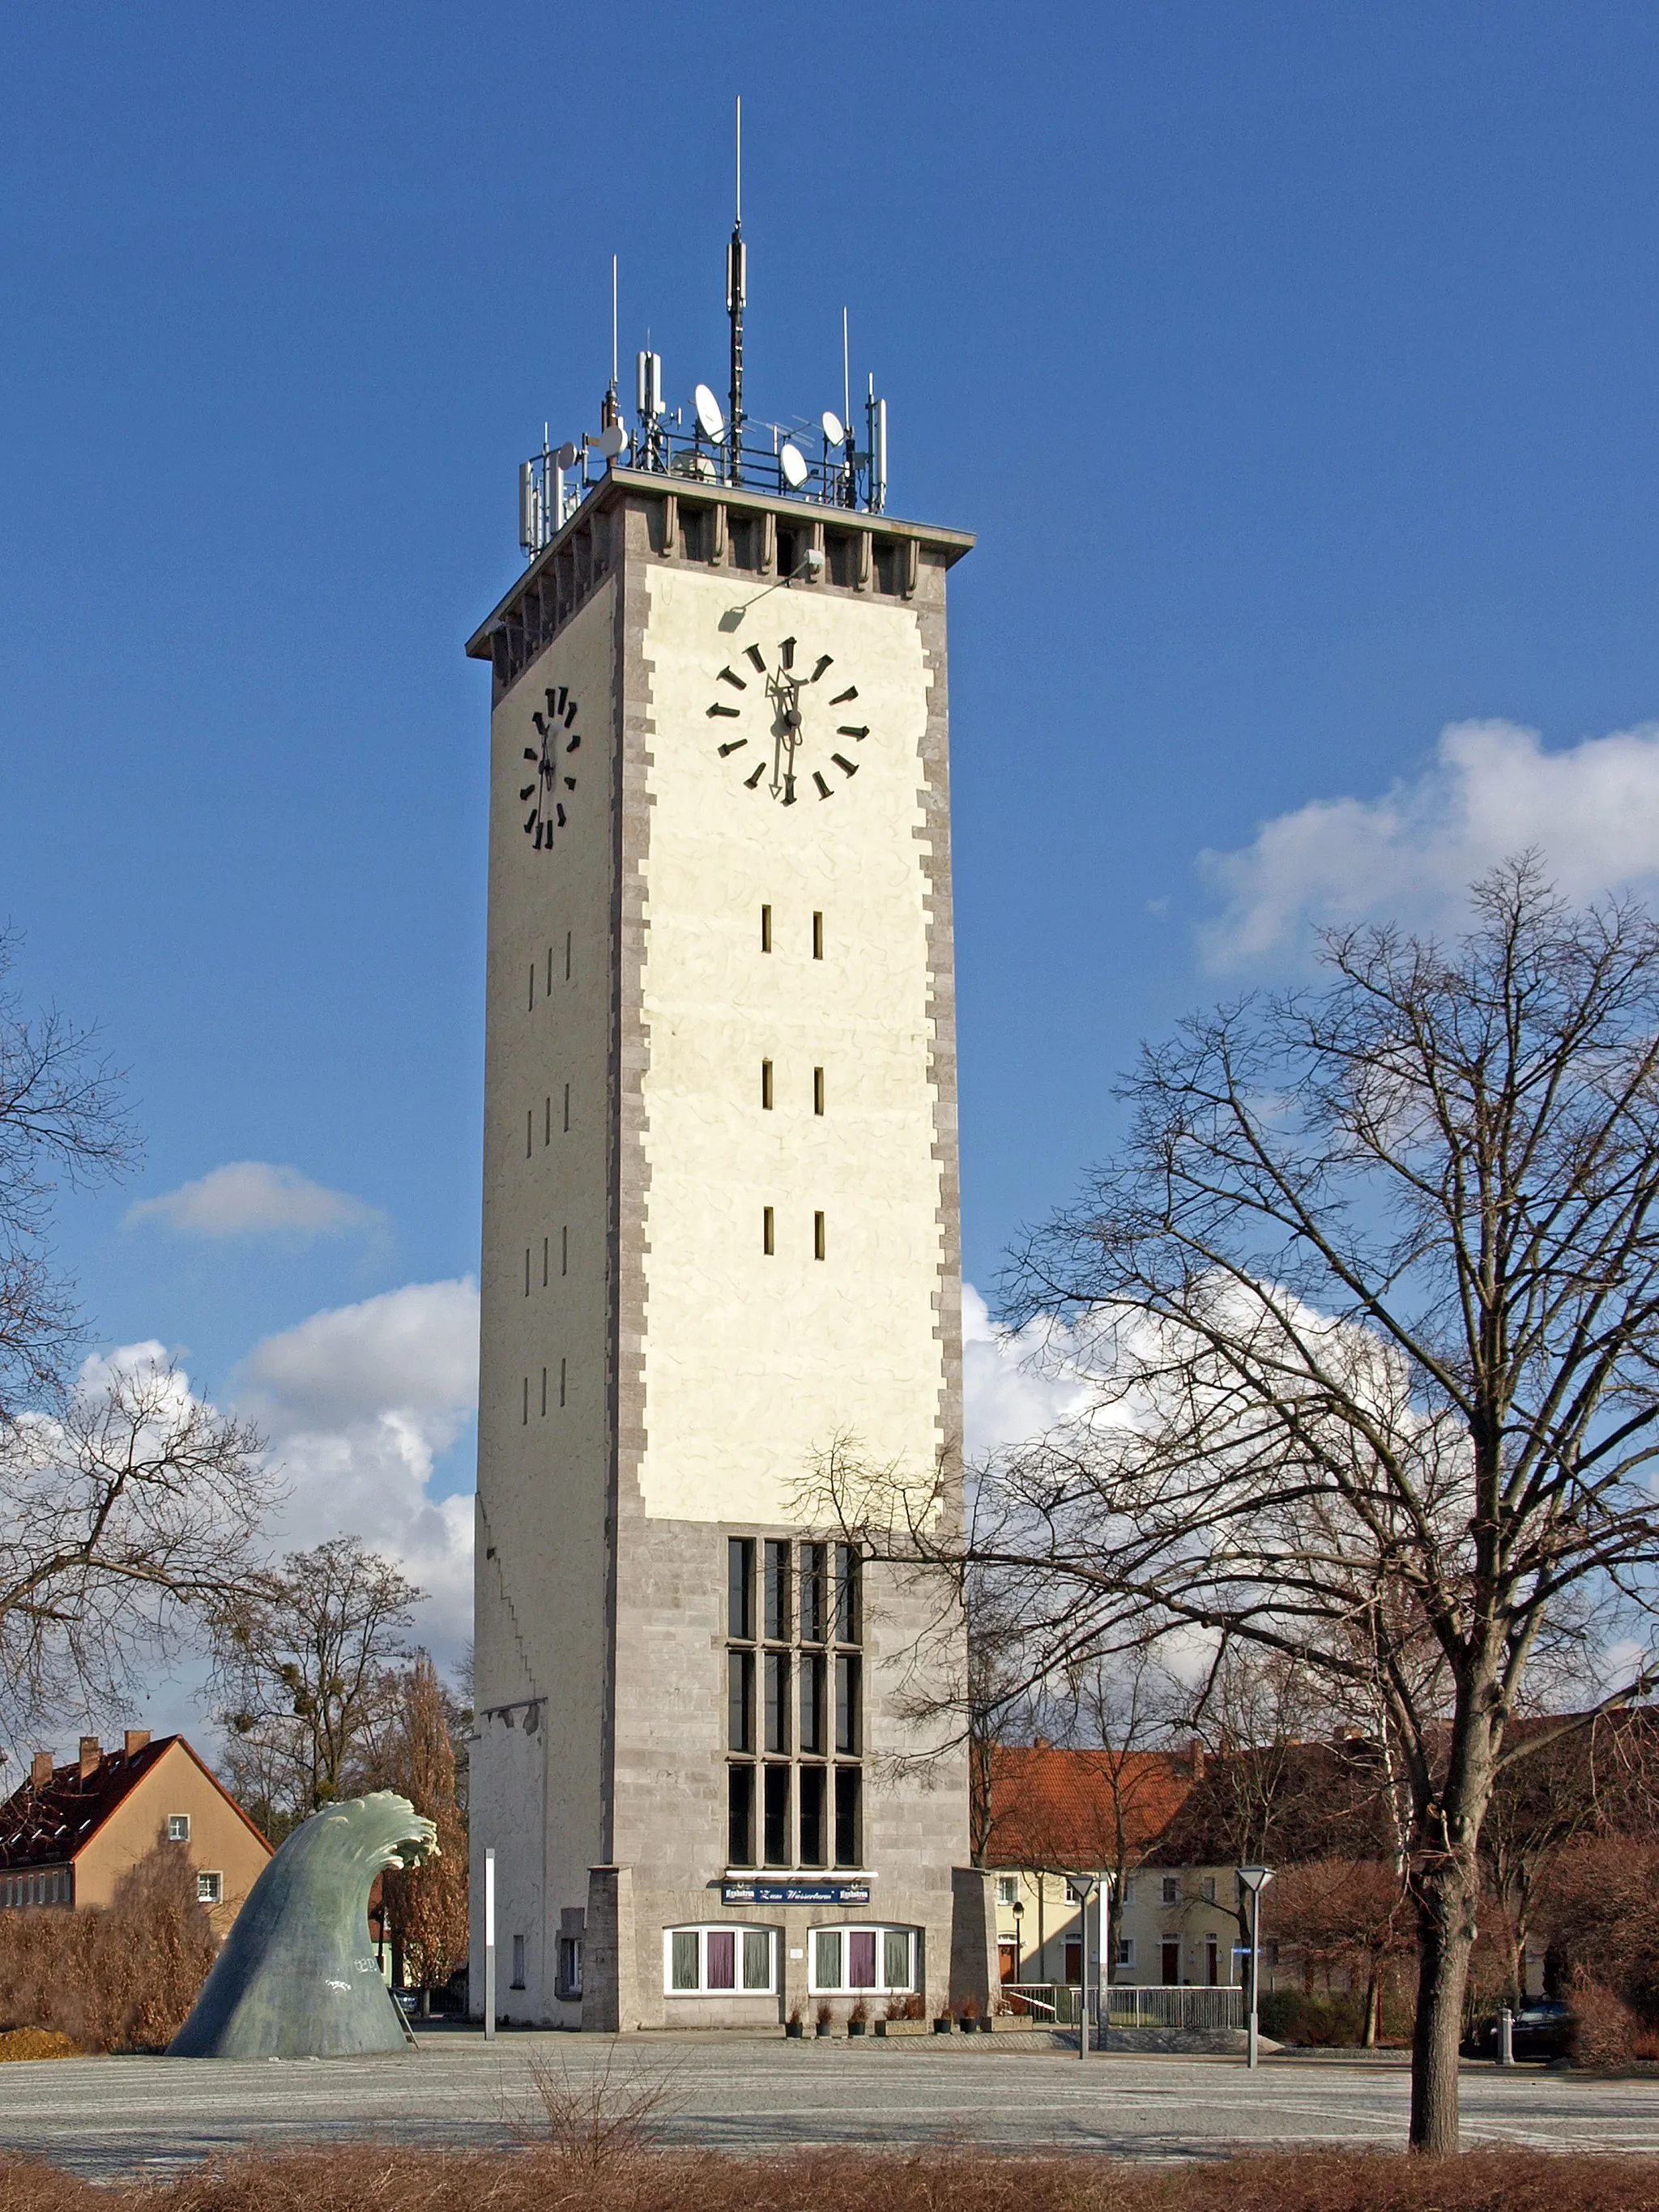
[(138, 1741), (1195, 1759), (41, 1770), (91, 1753)]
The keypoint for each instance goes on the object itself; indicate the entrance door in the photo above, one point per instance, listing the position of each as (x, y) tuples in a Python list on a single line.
[(1171, 1962), (1007, 1959), (1212, 1961), (1074, 1964)]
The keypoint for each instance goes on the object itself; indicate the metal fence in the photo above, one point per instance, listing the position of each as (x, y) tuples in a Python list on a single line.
[(1057, 2004)]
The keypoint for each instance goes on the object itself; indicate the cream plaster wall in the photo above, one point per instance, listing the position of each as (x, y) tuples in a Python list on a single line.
[(755, 1365), (542, 1557)]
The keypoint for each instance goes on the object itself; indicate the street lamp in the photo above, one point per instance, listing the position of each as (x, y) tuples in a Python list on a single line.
[(1019, 1940), (1254, 1880), (1083, 1887)]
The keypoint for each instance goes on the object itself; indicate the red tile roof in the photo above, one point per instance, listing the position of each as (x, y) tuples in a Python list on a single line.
[(1061, 1808), (48, 1826)]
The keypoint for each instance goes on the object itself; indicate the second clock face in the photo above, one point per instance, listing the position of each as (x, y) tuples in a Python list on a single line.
[(553, 779), (787, 721)]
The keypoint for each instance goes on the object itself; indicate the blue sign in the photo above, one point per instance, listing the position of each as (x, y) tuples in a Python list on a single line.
[(794, 1893)]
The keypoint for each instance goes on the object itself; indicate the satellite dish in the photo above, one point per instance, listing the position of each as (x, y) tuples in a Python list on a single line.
[(566, 457), (612, 441), (832, 429), (710, 421), (793, 466)]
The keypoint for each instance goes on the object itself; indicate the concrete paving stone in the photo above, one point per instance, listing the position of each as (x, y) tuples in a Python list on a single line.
[(109, 2119)]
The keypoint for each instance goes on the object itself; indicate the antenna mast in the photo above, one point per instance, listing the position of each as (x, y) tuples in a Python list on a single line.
[(610, 413), (736, 272)]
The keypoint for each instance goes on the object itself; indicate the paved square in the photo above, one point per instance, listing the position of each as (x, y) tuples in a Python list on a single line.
[(109, 2117)]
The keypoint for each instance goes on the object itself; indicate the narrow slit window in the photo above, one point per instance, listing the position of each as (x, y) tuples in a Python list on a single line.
[(768, 1232), (526, 1271), (566, 955), (564, 1250), (532, 988), (544, 1391), (547, 1121), (819, 1237), (550, 971), (529, 1132), (567, 1109), (817, 1091), (766, 1086), (766, 929), (817, 937), (562, 1382), (543, 1263), (527, 1402)]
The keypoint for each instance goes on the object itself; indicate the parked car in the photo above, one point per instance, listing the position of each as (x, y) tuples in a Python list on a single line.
[(1542, 2028)]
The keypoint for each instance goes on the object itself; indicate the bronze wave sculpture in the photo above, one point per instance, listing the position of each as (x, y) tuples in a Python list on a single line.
[(297, 1977)]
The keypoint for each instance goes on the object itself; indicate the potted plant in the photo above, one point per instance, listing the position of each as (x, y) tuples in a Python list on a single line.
[(942, 2022), (858, 2019), (825, 2015), (794, 2026), (971, 2015)]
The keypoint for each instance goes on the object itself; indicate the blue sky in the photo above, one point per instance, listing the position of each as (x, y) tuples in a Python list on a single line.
[(1296, 366)]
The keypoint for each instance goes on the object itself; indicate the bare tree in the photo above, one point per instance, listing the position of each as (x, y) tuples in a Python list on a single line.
[(60, 1120), (128, 1519), (1371, 1307), (305, 1670), (1120, 1720)]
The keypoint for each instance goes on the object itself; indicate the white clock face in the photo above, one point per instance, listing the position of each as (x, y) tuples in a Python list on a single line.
[(549, 791), (787, 724)]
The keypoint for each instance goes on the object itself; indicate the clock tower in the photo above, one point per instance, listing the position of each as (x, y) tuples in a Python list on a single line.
[(719, 1239)]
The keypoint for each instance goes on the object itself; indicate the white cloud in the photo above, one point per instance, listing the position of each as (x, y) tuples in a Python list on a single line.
[(251, 1198), (1010, 1391), (359, 1403), (1492, 791)]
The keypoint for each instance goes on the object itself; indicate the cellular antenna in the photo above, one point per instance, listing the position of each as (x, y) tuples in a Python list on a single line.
[(736, 274), (846, 380)]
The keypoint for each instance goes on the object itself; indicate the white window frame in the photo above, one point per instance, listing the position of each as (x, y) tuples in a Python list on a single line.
[(178, 1828), (1209, 1889), (702, 1930), (1007, 1888), (1125, 1952), (569, 1986), (1073, 1894), (1170, 1893), (880, 1987), (210, 1886)]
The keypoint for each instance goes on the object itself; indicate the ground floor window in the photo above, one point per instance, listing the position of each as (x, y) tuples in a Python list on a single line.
[(699, 1961), (570, 1983), (52, 1888), (862, 1959)]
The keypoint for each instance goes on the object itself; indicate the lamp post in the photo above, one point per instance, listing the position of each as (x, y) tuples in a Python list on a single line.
[(1252, 1879), (1083, 1887), (1019, 1946)]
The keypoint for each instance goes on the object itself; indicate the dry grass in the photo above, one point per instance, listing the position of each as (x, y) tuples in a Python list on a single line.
[(600, 2116), (37, 2043), (367, 2179), (122, 1978)]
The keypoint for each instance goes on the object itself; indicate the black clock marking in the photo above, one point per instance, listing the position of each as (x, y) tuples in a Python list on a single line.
[(841, 697), (852, 729), (731, 744), (730, 712), (749, 781), (731, 676), (847, 767), (547, 814), (753, 653), (824, 791)]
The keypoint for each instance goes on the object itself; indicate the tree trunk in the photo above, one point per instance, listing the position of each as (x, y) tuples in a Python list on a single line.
[(1373, 2010), (1446, 1935)]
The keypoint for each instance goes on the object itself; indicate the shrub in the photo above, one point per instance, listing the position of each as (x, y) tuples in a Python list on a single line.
[(1605, 2031), (1298, 2016), (120, 1978)]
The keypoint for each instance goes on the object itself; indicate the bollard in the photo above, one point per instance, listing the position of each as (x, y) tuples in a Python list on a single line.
[(1505, 2036)]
